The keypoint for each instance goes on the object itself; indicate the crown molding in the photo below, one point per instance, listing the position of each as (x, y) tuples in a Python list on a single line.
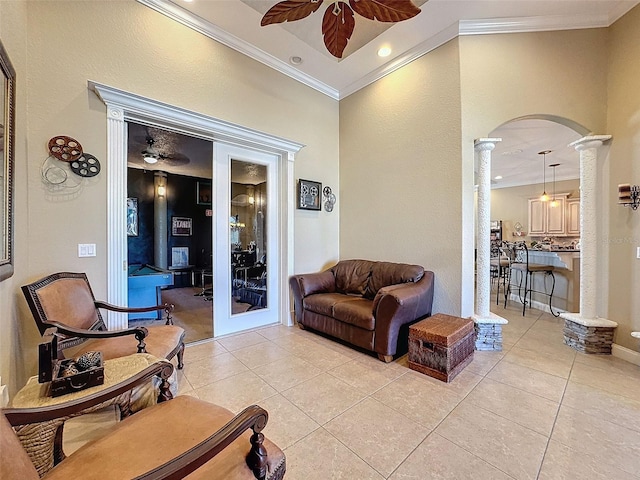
[(214, 32), (531, 24), (400, 61), (463, 27)]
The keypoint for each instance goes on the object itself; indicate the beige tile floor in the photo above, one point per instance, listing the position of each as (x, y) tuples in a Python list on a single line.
[(536, 410)]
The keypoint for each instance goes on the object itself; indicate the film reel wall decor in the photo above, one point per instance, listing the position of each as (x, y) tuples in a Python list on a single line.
[(66, 154)]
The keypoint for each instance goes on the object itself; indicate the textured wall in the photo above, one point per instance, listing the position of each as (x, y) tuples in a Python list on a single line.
[(624, 167), (400, 171), (129, 46)]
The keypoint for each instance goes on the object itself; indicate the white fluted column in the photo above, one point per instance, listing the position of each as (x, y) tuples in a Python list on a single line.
[(117, 216), (483, 317), (577, 324)]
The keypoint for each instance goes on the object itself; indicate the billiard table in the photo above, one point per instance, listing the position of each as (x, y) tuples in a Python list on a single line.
[(144, 288)]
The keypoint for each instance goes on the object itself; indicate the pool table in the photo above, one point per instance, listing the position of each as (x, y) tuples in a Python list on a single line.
[(144, 288)]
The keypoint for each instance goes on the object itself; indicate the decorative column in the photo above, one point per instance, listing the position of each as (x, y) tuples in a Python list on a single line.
[(160, 229), (117, 292), (488, 325), (585, 331)]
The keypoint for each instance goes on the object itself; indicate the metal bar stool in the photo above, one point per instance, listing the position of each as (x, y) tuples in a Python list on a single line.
[(525, 272)]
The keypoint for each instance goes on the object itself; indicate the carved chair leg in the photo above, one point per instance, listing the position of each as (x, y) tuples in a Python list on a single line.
[(385, 358), (257, 458), (181, 357)]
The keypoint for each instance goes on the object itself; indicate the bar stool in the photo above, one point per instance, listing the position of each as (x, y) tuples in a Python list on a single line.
[(525, 272)]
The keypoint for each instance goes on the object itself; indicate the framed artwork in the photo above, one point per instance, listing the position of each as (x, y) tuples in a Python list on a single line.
[(203, 193), (181, 226), (132, 217), (179, 256), (7, 138), (309, 194)]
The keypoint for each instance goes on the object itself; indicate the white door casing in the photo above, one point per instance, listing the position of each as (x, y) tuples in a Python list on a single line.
[(125, 106)]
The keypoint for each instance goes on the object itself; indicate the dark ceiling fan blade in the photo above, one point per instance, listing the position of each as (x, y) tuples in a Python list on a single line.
[(175, 160)]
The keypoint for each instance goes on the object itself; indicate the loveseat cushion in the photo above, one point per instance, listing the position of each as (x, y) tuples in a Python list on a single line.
[(357, 311), (384, 274), (352, 276), (323, 303)]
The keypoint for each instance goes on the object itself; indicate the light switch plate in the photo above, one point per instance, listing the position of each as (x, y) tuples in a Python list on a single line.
[(86, 250), (638, 252)]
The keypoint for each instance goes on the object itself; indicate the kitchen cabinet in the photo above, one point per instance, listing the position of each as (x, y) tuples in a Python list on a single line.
[(545, 219), (573, 217)]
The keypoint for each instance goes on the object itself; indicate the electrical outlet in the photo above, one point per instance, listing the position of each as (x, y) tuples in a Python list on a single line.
[(86, 250), (638, 252)]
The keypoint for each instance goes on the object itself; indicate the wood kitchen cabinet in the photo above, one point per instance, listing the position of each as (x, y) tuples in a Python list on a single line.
[(545, 219), (573, 217)]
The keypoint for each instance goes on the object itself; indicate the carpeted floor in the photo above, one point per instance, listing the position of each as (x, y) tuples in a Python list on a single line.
[(192, 312)]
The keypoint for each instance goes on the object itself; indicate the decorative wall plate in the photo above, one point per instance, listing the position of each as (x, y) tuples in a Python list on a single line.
[(65, 148)]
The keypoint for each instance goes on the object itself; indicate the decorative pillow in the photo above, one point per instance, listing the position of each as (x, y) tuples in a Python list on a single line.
[(352, 276), (384, 274)]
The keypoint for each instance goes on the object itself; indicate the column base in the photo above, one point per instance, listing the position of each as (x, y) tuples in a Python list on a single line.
[(489, 332), (588, 335)]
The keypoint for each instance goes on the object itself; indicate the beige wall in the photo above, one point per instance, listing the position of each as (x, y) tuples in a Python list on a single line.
[(511, 205), (13, 20), (129, 46), (400, 171), (624, 167)]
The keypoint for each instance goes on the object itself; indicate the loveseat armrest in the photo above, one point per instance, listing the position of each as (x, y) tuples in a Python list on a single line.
[(396, 305), (308, 284)]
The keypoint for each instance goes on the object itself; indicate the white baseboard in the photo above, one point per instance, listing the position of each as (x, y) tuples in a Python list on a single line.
[(626, 354)]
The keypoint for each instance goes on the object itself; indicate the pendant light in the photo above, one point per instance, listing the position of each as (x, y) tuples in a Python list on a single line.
[(554, 202), (544, 197)]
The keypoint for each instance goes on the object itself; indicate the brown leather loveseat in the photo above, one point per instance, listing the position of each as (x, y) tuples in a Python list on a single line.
[(364, 303)]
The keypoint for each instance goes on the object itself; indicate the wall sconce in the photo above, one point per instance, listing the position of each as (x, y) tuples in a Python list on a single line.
[(629, 195), (162, 190)]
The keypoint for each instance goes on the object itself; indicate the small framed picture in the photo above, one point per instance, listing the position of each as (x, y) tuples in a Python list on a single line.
[(132, 217), (181, 226), (179, 256), (203, 193), (309, 194)]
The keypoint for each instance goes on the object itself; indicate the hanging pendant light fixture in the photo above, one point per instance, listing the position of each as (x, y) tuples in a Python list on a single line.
[(554, 203), (544, 197)]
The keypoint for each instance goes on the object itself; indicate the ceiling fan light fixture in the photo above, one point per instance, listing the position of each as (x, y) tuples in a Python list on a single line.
[(150, 158)]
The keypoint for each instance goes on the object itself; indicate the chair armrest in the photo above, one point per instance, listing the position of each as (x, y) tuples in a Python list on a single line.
[(167, 307), (139, 332), (253, 417), (27, 416), (397, 305)]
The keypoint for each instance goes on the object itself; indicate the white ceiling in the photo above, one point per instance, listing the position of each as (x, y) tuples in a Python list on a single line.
[(236, 23)]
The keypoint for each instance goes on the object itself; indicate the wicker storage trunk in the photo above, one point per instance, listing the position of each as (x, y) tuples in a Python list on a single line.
[(441, 346)]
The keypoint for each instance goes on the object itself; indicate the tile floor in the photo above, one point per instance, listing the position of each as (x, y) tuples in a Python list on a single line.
[(536, 410)]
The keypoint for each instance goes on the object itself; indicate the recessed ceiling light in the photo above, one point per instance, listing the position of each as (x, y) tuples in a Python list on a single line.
[(384, 52), (295, 60), (498, 177)]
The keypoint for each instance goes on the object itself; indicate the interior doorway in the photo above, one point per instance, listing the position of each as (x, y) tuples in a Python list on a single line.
[(122, 106), (169, 227)]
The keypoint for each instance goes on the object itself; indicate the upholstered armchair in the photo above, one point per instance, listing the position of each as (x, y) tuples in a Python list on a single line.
[(170, 440), (65, 301)]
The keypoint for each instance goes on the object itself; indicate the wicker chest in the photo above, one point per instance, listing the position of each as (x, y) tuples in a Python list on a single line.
[(441, 346)]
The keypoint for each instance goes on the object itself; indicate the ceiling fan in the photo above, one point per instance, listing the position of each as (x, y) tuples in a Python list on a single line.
[(339, 20), (152, 155)]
